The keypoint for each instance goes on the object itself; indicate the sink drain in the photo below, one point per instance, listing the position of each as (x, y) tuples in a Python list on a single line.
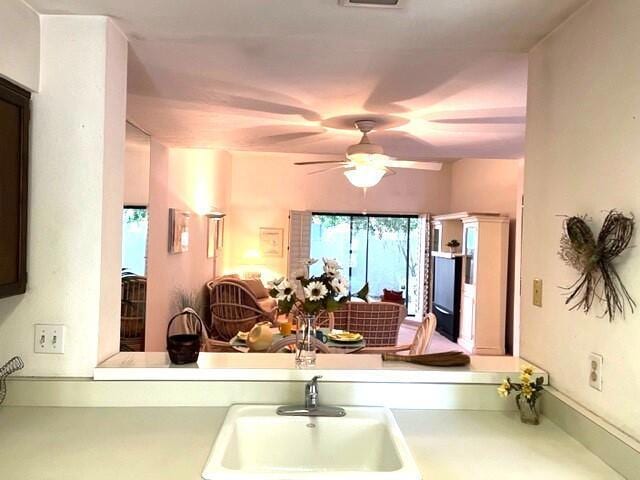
[(311, 425)]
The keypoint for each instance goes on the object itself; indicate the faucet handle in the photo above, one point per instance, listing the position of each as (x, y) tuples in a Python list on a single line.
[(314, 380)]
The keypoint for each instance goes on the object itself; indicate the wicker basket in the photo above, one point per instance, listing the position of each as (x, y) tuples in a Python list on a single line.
[(185, 347)]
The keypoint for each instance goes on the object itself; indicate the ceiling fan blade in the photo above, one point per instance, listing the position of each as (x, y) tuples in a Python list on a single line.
[(322, 162), (483, 120), (325, 170), (434, 166), (283, 137), (482, 116)]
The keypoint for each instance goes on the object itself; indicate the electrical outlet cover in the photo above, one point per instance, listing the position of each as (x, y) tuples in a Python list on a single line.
[(595, 371), (537, 292)]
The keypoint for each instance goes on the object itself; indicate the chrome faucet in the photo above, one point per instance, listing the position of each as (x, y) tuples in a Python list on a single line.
[(311, 393), (311, 407)]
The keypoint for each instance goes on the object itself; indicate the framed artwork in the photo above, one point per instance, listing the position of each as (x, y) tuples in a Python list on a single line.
[(271, 241), (178, 230)]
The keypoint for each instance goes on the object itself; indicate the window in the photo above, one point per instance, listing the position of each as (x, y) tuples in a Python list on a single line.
[(380, 249), (134, 240)]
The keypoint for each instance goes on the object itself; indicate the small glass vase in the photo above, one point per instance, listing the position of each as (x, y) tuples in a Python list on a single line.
[(528, 411), (305, 348)]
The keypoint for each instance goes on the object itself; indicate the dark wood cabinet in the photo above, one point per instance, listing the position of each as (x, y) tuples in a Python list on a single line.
[(14, 157)]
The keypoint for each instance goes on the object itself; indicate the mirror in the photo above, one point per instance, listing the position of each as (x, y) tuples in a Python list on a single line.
[(135, 229)]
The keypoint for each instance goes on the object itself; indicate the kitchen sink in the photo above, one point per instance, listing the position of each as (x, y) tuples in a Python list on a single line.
[(256, 443)]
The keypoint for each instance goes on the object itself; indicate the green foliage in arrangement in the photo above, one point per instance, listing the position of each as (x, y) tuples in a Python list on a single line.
[(322, 293)]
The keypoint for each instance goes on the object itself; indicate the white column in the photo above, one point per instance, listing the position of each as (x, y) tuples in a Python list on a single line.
[(77, 148)]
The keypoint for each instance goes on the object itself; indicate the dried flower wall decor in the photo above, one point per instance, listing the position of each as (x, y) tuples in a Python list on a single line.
[(593, 258)]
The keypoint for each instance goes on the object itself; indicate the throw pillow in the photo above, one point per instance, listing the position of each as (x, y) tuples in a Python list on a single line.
[(392, 296)]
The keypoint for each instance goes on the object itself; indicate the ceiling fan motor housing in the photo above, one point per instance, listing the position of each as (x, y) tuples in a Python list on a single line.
[(365, 147)]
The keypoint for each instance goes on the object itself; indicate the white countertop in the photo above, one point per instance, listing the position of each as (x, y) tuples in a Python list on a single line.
[(173, 443), (280, 367)]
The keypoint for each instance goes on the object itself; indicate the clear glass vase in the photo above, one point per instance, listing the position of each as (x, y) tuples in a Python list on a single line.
[(528, 411), (305, 348)]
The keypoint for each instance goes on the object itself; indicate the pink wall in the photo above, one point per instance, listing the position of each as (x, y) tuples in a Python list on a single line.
[(494, 185), (188, 179), (487, 185), (265, 186)]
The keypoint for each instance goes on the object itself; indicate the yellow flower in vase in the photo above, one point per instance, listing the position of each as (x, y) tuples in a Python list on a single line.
[(527, 390), (526, 370), (504, 389)]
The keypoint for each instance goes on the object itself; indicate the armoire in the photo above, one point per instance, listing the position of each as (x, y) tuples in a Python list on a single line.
[(477, 321)]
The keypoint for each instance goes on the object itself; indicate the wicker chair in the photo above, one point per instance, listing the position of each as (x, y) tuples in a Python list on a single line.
[(132, 313), (235, 308), (378, 322), (418, 346)]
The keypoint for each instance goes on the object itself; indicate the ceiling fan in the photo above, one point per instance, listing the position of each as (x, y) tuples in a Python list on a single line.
[(366, 162)]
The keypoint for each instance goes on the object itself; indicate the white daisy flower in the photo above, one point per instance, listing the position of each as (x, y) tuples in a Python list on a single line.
[(285, 290), (331, 266), (315, 291), (340, 285)]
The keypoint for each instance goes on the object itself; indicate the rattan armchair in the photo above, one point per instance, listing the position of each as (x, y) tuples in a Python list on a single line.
[(132, 313), (418, 346), (378, 322), (235, 308)]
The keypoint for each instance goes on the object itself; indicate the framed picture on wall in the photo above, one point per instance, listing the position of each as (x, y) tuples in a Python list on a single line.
[(271, 241), (178, 230)]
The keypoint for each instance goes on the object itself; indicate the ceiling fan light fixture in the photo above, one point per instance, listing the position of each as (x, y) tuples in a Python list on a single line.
[(365, 176)]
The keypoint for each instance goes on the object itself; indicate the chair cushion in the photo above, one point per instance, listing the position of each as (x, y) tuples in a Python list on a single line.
[(267, 304), (392, 296), (257, 288)]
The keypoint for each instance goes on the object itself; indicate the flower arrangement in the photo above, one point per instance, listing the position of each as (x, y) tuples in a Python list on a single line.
[(325, 292), (529, 390)]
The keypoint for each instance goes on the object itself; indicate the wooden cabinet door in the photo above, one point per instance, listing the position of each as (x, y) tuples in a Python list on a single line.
[(14, 142)]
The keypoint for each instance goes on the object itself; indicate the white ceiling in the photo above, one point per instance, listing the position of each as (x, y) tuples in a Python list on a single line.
[(273, 75)]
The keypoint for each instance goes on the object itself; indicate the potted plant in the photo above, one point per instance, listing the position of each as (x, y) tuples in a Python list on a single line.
[(453, 245), (529, 390)]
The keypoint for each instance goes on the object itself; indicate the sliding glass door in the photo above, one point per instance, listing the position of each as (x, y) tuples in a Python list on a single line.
[(379, 249)]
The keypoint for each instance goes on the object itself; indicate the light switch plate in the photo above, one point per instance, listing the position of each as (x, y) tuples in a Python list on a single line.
[(48, 339), (537, 292), (595, 371)]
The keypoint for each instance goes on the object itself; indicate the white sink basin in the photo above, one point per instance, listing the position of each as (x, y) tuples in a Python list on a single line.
[(255, 443)]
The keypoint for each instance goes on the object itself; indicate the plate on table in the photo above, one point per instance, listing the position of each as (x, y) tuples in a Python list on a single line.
[(242, 336), (345, 337)]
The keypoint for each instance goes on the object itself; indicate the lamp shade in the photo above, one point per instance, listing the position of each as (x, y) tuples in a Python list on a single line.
[(364, 176)]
